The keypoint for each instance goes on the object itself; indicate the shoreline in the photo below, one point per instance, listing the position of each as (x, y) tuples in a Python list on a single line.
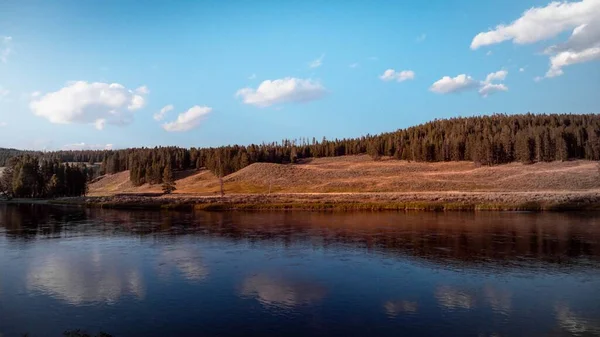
[(388, 201)]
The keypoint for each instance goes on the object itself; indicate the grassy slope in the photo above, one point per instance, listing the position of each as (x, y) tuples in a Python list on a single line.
[(361, 174)]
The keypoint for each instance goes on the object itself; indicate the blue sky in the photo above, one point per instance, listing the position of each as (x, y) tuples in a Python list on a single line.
[(325, 63)]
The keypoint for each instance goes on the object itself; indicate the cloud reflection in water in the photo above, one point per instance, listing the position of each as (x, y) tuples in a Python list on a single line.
[(575, 324), (395, 308), (500, 300), (84, 277), (280, 292), (451, 298), (187, 262)]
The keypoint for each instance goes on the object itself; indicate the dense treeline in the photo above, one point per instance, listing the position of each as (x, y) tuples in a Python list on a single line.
[(70, 156), (29, 177), (7, 154), (488, 140)]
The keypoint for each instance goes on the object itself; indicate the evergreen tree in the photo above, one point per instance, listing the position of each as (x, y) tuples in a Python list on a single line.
[(168, 185), (489, 140), (25, 177)]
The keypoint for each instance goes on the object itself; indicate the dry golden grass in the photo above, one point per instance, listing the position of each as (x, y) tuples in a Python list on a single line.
[(360, 174)]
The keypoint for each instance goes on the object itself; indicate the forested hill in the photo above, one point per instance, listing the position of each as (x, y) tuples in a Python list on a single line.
[(83, 156), (6, 154), (488, 140)]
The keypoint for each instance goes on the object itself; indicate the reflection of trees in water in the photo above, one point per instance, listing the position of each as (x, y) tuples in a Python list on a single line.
[(499, 237), (26, 222), (476, 239), (470, 239), (286, 293)]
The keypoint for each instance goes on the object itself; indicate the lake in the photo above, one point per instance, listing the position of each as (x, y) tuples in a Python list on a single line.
[(151, 273)]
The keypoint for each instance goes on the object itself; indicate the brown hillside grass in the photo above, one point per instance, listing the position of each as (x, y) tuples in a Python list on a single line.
[(353, 174)]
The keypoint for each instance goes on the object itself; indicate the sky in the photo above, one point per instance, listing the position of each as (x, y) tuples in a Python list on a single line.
[(116, 74)]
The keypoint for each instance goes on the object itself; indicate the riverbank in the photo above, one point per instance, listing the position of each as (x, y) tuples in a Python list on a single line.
[(423, 201)]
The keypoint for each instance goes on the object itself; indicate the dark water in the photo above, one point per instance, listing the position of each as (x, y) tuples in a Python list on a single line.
[(298, 274)]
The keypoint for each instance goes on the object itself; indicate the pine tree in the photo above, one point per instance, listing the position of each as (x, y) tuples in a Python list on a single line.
[(490, 140), (168, 185)]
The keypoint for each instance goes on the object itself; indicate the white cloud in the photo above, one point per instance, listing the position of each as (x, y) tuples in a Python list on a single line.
[(489, 53), (317, 62), (5, 48), (161, 114), (137, 102), (497, 76), (188, 120), (521, 69), (421, 37), (143, 90), (373, 58), (251, 77), (35, 94), (3, 124), (566, 58), (447, 84), (490, 88), (89, 103), (464, 82), (542, 23), (284, 90), (583, 37), (582, 46), (100, 123), (487, 87), (84, 146), (400, 76), (353, 65)]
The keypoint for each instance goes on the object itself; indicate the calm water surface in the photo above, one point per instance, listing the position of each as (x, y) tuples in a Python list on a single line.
[(298, 274)]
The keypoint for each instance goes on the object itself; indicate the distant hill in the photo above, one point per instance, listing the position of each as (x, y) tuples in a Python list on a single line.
[(353, 174), (6, 154), (485, 140)]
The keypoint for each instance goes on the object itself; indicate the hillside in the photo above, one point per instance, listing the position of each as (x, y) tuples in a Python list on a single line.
[(362, 174)]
